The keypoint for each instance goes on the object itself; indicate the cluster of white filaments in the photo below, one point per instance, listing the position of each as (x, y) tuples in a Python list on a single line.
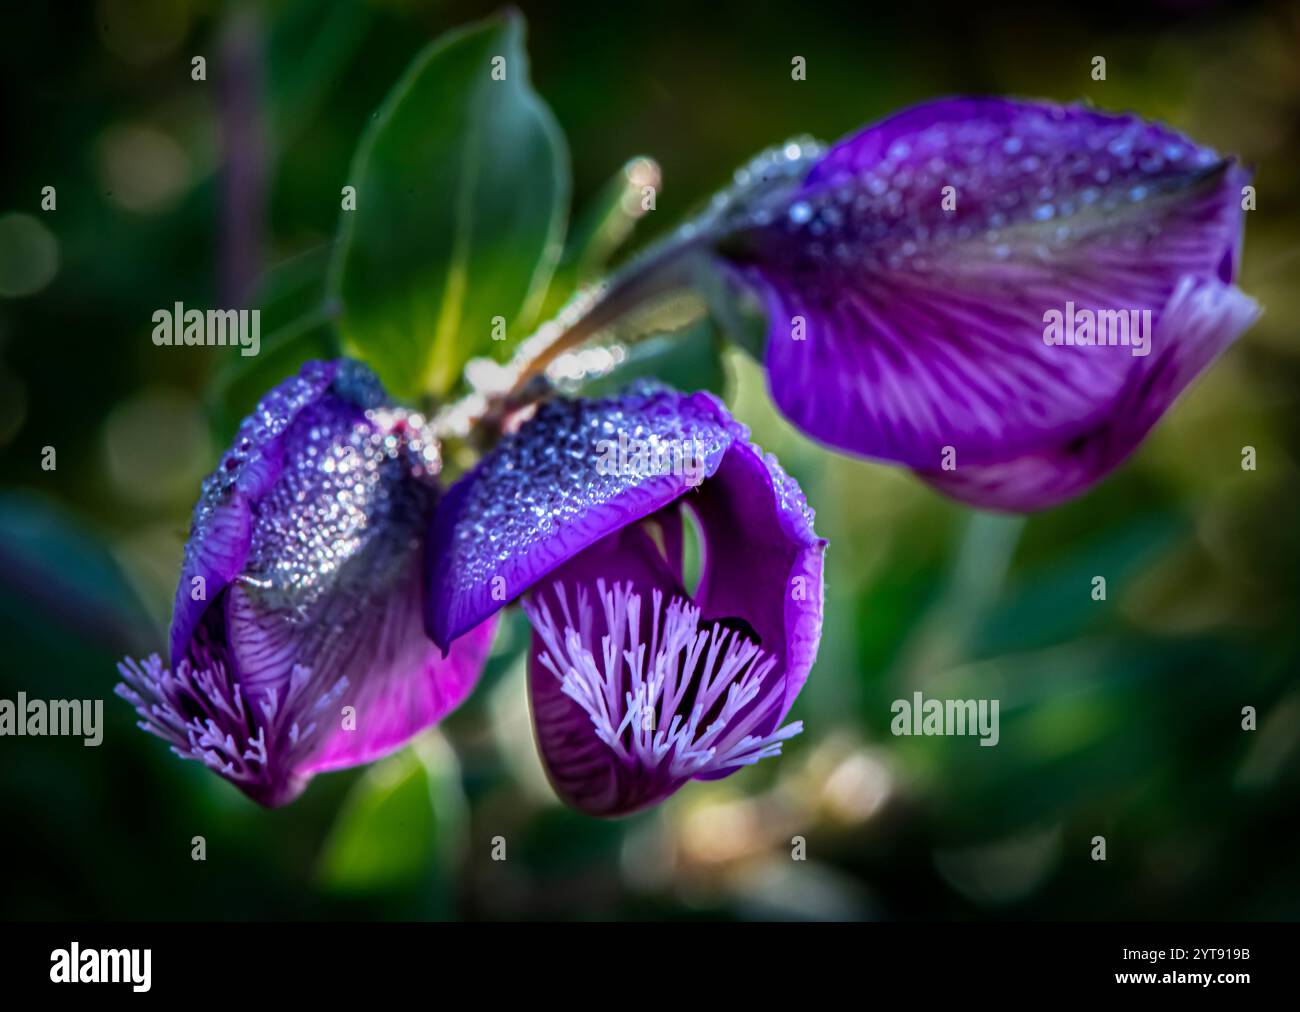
[(634, 691), (205, 714)]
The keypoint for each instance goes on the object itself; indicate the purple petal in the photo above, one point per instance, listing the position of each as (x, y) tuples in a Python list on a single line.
[(635, 692), (538, 515), (582, 769), (543, 495), (308, 652), (407, 687), (1202, 318), (763, 562), (222, 526), (923, 324)]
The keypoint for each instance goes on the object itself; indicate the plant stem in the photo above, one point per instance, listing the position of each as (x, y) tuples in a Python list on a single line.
[(662, 270)]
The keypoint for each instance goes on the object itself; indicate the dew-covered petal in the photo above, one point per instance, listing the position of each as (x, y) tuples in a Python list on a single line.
[(554, 488), (336, 538), (760, 595), (1202, 318), (905, 318), (221, 528), (308, 650)]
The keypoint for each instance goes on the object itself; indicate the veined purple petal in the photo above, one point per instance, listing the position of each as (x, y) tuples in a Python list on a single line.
[(409, 686), (907, 279), (302, 647), (1202, 318), (598, 550)]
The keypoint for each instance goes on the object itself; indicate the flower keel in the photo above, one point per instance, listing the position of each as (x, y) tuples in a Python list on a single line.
[(667, 699)]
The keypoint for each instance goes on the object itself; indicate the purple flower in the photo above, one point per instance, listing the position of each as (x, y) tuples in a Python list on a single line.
[(297, 641), (637, 684), (912, 274)]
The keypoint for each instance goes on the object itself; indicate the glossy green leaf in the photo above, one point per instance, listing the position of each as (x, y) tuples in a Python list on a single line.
[(462, 186), (400, 823)]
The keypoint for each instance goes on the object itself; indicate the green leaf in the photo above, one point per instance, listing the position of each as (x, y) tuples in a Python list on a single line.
[(308, 46), (399, 824), (296, 326), (462, 190), (1052, 603)]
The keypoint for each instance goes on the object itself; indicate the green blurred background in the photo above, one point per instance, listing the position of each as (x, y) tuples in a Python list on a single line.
[(1120, 718)]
